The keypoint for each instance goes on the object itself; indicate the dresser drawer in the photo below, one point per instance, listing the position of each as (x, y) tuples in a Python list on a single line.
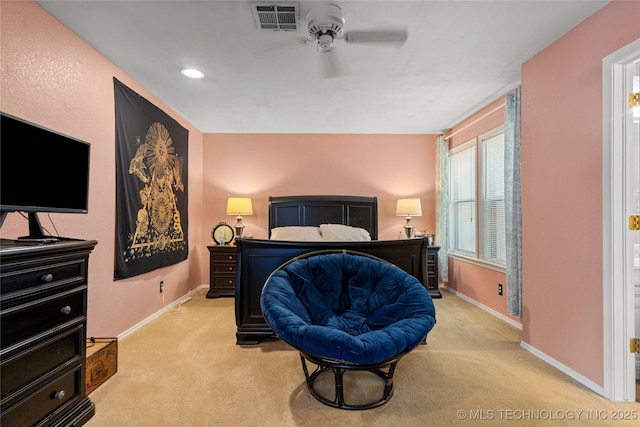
[(225, 257), (225, 282), (224, 268), (27, 364), (33, 318), (44, 401), (37, 277)]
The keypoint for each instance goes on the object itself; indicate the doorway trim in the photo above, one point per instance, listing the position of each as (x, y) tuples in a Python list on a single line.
[(618, 299)]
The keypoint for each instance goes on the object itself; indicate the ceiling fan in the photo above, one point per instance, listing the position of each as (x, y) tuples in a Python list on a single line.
[(326, 25)]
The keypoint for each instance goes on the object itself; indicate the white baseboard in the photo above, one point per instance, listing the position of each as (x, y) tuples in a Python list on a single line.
[(164, 309), (564, 368), (485, 308), (547, 359)]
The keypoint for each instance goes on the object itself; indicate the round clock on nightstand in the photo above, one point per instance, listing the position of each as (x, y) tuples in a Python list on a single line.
[(222, 233)]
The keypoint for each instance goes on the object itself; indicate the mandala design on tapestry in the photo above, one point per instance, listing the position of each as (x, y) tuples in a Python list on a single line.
[(157, 166)]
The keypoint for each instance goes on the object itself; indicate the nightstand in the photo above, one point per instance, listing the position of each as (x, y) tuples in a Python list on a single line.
[(222, 271), (431, 271)]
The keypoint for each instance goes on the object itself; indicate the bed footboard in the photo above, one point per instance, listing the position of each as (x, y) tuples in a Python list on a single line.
[(257, 259)]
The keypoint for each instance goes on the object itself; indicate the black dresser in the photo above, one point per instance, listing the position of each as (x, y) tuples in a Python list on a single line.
[(43, 315)]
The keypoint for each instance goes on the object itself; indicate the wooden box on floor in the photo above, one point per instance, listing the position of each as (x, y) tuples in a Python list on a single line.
[(102, 361)]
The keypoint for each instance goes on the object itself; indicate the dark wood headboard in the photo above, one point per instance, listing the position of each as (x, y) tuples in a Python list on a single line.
[(356, 211)]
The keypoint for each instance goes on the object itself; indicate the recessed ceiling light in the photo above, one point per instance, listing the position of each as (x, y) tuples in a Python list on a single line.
[(192, 73)]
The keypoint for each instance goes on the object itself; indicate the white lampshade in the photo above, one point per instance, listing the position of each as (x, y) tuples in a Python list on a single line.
[(409, 207), (239, 206)]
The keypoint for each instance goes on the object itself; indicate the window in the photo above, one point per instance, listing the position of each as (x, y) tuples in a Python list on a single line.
[(462, 209), (477, 223), (493, 225)]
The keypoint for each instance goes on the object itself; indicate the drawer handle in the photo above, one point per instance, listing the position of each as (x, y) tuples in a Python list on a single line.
[(66, 309), (47, 278), (230, 268), (230, 256), (59, 395), (230, 281)]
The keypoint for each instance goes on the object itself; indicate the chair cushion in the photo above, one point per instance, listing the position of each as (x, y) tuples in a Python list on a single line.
[(346, 307)]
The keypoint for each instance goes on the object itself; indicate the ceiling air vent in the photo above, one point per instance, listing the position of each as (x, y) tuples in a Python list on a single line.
[(280, 16)]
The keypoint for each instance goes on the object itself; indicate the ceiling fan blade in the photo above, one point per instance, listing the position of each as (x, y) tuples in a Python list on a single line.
[(332, 64), (389, 36)]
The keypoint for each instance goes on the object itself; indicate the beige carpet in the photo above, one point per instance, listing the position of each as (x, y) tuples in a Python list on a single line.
[(184, 369)]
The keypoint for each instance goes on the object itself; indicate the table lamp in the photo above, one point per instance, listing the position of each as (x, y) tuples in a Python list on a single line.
[(409, 208), (239, 206)]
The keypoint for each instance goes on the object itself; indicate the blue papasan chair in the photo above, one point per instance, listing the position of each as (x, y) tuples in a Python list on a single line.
[(346, 311)]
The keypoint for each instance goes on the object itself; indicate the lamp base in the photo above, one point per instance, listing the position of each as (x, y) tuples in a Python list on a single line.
[(409, 228), (239, 227)]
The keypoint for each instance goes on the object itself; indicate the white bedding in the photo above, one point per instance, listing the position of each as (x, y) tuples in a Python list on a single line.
[(298, 234), (325, 232)]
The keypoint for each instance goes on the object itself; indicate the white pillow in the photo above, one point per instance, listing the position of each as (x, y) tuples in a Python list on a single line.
[(296, 234), (339, 233)]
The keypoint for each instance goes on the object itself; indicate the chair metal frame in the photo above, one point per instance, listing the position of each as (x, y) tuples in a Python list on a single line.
[(384, 370)]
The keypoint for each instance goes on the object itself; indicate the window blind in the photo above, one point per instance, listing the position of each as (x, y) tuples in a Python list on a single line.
[(493, 207), (462, 179)]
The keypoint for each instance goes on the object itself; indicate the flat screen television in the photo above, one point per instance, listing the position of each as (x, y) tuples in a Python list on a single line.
[(41, 171)]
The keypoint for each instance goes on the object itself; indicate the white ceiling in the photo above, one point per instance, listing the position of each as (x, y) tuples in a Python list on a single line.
[(460, 55)]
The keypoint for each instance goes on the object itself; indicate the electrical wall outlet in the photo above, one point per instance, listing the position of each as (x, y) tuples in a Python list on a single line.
[(161, 286), (499, 288)]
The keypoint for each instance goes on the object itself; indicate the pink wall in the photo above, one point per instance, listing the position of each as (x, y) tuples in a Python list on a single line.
[(259, 166), (471, 280), (485, 120), (562, 189), (51, 77)]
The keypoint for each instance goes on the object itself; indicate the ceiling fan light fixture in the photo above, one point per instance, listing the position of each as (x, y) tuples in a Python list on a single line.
[(325, 41), (325, 19), (192, 73)]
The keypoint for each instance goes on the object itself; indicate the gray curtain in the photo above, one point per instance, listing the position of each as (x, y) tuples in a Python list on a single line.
[(442, 206), (513, 202)]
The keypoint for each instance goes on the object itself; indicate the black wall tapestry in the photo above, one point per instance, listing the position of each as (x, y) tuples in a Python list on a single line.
[(151, 186)]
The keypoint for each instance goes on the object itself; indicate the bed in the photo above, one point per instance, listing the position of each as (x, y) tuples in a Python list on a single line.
[(258, 258)]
